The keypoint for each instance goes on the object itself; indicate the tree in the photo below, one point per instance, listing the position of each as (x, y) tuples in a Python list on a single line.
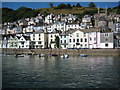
[(51, 5), (73, 5), (57, 42), (92, 5), (68, 6), (78, 5), (61, 6)]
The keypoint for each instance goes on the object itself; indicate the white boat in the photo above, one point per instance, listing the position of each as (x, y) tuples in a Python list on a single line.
[(41, 55), (64, 56)]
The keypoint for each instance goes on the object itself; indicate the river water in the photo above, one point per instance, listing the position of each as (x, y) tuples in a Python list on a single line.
[(56, 72)]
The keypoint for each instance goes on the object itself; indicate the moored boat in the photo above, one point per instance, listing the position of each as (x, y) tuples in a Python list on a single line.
[(19, 55), (41, 55), (83, 55), (64, 56), (53, 55)]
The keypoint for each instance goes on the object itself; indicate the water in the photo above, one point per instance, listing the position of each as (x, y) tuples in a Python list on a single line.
[(55, 72)]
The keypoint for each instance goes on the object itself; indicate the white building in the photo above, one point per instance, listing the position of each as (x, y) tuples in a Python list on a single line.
[(49, 19), (39, 39), (78, 39), (24, 42), (72, 26), (51, 39), (63, 41)]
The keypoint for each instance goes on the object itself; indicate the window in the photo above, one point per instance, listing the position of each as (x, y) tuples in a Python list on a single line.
[(33, 35), (85, 40), (106, 34), (77, 40), (106, 39), (33, 38), (61, 41), (84, 34), (64, 36), (90, 39), (73, 40), (65, 46), (51, 36), (94, 38), (70, 40), (39, 42), (39, 38), (77, 34), (106, 45), (39, 35), (64, 41), (81, 40), (85, 45)]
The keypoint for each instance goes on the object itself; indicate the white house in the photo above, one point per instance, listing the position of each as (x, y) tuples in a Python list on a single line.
[(39, 39), (72, 26), (24, 42), (49, 19), (77, 39), (63, 40)]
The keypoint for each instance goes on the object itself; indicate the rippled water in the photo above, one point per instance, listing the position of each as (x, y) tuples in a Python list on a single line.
[(55, 72)]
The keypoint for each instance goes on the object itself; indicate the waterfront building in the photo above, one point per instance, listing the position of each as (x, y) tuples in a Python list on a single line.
[(63, 40), (13, 41), (116, 30), (77, 39), (106, 38), (24, 42), (39, 39), (51, 39)]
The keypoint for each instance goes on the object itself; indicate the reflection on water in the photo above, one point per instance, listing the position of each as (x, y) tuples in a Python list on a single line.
[(56, 72)]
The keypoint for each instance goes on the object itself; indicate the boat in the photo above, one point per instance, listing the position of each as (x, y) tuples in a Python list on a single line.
[(83, 55), (64, 56), (41, 55), (19, 55), (53, 55)]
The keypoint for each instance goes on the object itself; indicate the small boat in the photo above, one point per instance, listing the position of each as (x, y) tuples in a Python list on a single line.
[(19, 55), (83, 55), (53, 55), (41, 55), (64, 56)]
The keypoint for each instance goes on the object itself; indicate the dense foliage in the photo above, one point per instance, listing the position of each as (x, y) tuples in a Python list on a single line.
[(57, 41), (92, 5), (10, 15)]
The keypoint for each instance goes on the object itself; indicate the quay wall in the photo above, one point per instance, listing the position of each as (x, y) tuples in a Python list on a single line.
[(96, 52)]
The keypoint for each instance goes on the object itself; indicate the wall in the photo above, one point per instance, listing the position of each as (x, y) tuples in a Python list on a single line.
[(96, 52)]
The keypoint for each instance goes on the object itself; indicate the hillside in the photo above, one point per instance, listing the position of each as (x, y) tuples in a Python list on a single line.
[(10, 15)]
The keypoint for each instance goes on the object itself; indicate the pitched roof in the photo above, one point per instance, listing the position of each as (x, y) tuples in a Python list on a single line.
[(27, 37)]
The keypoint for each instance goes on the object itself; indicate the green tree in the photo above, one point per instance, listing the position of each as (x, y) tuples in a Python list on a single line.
[(61, 6), (68, 6), (78, 5), (51, 5), (57, 42), (92, 5), (73, 5)]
